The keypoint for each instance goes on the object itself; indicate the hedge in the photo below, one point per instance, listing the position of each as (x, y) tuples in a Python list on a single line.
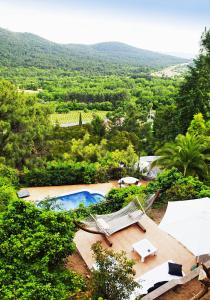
[(61, 173)]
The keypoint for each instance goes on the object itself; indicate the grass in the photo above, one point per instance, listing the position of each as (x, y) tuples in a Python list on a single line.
[(72, 117)]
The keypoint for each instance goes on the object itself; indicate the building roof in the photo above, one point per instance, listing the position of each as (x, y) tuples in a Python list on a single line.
[(149, 159)]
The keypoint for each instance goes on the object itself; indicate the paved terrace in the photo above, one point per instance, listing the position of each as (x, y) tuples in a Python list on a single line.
[(40, 193), (168, 247)]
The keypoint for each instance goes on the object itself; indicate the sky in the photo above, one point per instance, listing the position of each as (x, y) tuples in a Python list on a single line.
[(168, 26)]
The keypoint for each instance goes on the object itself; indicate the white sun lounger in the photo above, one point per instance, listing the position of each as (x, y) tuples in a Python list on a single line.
[(153, 276)]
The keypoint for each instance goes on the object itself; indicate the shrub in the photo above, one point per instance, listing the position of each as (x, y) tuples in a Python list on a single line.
[(114, 277), (60, 173), (9, 173), (205, 192), (176, 192), (34, 244), (118, 197), (164, 180), (176, 187)]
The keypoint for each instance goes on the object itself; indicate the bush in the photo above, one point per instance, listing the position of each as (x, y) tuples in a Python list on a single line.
[(7, 193), (60, 173), (164, 180), (10, 174), (176, 192), (34, 244), (118, 197), (175, 187), (114, 277), (205, 192)]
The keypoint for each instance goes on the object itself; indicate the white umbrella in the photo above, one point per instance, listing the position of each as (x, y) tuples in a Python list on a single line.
[(188, 222), (128, 180)]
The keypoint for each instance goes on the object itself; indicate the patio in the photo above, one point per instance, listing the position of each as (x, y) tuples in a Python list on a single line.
[(40, 193), (168, 247)]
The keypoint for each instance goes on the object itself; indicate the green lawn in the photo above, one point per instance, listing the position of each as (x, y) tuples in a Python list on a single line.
[(72, 117)]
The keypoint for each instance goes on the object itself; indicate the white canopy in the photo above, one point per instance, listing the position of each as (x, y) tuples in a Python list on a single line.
[(189, 223), (128, 180)]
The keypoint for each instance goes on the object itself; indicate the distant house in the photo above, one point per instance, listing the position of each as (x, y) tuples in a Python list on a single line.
[(145, 166)]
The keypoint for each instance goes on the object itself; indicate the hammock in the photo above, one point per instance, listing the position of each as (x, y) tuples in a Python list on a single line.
[(111, 223), (108, 224), (151, 199)]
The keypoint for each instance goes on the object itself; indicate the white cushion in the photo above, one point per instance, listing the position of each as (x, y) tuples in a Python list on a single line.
[(103, 224), (134, 215)]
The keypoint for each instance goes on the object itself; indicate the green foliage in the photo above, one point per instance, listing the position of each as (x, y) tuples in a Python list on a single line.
[(10, 174), (23, 127), (91, 164), (165, 130), (61, 138), (8, 182), (26, 49), (205, 192), (164, 180), (64, 107), (118, 197), (194, 94), (114, 277), (174, 187), (178, 191), (80, 119), (190, 154), (97, 127), (185, 188), (70, 106), (198, 126), (60, 173), (34, 244)]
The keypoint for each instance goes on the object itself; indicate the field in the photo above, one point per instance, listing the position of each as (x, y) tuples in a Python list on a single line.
[(72, 118)]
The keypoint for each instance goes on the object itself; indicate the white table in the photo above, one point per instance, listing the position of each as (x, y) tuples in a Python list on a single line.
[(144, 248)]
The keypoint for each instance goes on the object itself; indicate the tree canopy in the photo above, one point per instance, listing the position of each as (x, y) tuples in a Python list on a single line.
[(24, 126), (195, 91), (190, 154), (34, 245), (113, 278)]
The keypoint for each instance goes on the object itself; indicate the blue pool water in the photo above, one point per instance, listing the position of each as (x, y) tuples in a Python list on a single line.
[(73, 201)]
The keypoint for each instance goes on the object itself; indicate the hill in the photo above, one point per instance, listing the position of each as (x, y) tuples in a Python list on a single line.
[(27, 50)]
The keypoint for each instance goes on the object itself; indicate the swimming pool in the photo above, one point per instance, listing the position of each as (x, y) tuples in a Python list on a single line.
[(73, 200)]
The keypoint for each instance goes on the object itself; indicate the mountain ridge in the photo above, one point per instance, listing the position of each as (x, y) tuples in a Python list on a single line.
[(28, 49)]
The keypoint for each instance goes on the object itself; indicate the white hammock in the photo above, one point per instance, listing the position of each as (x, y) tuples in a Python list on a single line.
[(111, 223)]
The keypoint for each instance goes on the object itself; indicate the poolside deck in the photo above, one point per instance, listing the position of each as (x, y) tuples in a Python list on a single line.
[(168, 247), (40, 193)]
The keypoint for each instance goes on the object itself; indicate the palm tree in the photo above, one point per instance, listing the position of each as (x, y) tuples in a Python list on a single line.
[(189, 154)]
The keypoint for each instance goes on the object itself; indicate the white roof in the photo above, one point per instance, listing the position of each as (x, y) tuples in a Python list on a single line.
[(188, 222), (148, 159)]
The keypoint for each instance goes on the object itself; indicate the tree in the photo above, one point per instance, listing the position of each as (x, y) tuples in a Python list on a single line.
[(34, 244), (189, 154), (97, 128), (113, 278), (165, 130), (198, 126), (195, 91), (24, 126), (80, 119), (128, 157)]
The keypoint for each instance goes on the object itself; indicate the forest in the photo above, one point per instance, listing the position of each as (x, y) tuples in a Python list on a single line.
[(145, 115), (29, 50)]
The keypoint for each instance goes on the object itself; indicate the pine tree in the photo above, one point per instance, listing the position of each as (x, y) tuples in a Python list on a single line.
[(80, 119)]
